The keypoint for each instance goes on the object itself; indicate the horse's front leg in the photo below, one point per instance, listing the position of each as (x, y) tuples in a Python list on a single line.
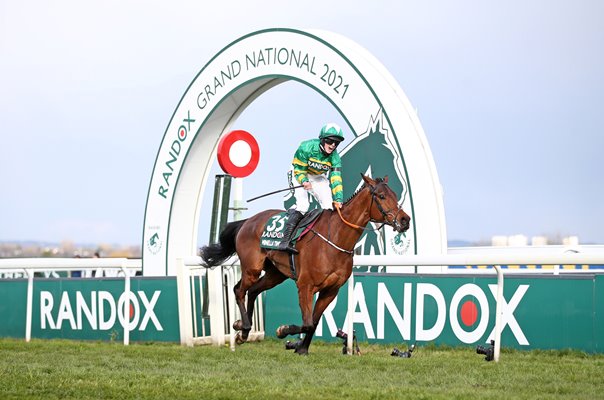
[(325, 298), (305, 296), (305, 300)]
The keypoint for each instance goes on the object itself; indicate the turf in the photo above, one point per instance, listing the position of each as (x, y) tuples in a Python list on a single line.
[(50, 369)]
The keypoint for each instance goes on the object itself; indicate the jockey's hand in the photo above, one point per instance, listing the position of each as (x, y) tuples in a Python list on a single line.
[(307, 185), (337, 204)]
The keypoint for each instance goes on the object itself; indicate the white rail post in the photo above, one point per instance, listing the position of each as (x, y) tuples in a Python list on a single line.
[(498, 313), (237, 199), (216, 306), (183, 276), (126, 304), (350, 327), (30, 300), (229, 273)]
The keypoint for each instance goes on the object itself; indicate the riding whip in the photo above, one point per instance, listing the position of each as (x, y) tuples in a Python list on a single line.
[(276, 191)]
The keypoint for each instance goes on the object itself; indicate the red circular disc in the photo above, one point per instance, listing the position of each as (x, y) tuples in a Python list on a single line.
[(469, 313), (238, 153)]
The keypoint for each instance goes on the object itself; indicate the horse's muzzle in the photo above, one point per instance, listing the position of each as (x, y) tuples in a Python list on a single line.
[(402, 224)]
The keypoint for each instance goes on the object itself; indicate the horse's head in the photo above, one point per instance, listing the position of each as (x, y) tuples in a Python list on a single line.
[(384, 205)]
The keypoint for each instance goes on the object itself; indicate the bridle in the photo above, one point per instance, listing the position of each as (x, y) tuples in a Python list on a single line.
[(385, 213)]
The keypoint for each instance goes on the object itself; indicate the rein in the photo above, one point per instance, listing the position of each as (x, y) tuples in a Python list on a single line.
[(385, 214), (363, 228), (346, 222)]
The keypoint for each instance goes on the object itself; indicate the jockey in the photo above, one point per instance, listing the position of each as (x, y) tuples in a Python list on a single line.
[(316, 166)]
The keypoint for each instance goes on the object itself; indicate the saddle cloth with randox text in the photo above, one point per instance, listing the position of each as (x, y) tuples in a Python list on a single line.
[(273, 229)]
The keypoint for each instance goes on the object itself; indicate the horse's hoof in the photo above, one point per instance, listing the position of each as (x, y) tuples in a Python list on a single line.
[(293, 345), (301, 351), (239, 339), (238, 325), (282, 331)]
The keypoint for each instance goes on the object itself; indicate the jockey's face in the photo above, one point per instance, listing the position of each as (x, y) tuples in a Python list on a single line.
[(330, 145)]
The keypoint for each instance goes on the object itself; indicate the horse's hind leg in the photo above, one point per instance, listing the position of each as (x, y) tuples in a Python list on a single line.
[(238, 325), (271, 278), (252, 286), (244, 324)]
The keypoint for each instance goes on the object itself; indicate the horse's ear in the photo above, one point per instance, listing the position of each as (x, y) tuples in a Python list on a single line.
[(368, 180), (386, 179)]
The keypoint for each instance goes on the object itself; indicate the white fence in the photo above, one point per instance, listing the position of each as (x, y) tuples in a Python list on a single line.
[(503, 258), (31, 265), (221, 280), (221, 305), (222, 309)]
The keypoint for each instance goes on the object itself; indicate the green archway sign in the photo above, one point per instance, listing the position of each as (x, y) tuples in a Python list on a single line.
[(388, 139)]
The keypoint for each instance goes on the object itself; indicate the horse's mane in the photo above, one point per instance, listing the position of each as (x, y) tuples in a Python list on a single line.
[(377, 180)]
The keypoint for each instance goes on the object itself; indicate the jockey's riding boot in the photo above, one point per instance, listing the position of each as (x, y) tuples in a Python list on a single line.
[(288, 232)]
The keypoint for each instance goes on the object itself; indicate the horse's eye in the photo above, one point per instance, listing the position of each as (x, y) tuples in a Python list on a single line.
[(382, 197)]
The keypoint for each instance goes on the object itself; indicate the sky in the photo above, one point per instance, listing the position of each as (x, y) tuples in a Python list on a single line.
[(509, 95)]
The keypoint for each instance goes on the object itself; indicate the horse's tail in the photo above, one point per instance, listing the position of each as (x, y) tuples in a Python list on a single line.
[(217, 253)]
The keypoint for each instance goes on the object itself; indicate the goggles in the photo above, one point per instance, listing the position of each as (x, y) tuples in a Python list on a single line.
[(331, 141)]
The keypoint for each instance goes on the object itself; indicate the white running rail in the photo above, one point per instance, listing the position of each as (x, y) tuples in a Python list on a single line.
[(526, 257), (128, 267), (222, 310)]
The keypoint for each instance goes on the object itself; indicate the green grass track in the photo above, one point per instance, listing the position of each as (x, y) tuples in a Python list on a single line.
[(53, 369)]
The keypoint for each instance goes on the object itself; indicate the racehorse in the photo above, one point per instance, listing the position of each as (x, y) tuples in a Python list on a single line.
[(324, 262)]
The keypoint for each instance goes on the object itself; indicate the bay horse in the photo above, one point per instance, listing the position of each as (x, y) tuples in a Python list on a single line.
[(324, 262)]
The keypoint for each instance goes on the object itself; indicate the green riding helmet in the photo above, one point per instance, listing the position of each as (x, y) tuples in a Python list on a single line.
[(332, 131)]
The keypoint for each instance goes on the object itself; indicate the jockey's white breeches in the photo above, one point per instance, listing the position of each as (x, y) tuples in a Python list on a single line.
[(320, 190)]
